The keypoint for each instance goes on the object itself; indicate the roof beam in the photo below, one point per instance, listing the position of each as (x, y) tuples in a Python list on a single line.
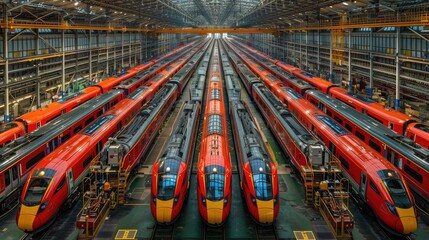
[(215, 30)]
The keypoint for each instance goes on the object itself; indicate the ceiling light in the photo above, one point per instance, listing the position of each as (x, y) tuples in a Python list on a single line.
[(76, 3), (330, 6), (345, 3), (101, 9), (280, 18)]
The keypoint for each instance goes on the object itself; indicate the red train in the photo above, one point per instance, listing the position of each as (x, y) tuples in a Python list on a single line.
[(44, 193), (172, 171), (407, 156), (258, 173), (373, 179), (397, 121), (20, 156), (214, 166), (33, 120)]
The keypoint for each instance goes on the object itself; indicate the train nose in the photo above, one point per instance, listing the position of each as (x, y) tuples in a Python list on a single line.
[(265, 211), (27, 218), (164, 209), (214, 212), (407, 220)]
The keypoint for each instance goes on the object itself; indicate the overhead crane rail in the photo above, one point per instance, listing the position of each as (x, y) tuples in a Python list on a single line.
[(13, 24)]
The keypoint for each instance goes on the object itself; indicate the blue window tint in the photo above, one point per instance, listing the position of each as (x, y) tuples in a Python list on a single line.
[(166, 186), (215, 186), (97, 124), (307, 74), (359, 97), (137, 92), (263, 186), (292, 93), (334, 126), (65, 99), (215, 124)]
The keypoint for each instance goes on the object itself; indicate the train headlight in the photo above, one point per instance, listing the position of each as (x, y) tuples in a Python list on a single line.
[(154, 199), (176, 199), (203, 200), (275, 199), (391, 208), (225, 201), (253, 199), (43, 206)]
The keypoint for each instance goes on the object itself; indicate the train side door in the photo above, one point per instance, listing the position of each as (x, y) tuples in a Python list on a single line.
[(11, 179), (70, 180), (362, 186), (14, 174)]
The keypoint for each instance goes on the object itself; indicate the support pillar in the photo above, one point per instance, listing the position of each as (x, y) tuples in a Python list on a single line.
[(331, 64), (122, 51), (371, 65), (7, 117), (306, 50), (398, 67), (37, 52), (318, 51), (90, 56), (63, 65), (114, 53), (129, 50), (350, 61), (107, 53)]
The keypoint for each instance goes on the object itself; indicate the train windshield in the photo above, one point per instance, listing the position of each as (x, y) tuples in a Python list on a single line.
[(262, 179), (215, 179), (39, 183), (167, 178), (396, 188)]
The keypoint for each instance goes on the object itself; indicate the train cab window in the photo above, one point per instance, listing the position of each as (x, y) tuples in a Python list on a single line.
[(348, 127), (88, 121), (14, 173), (77, 129), (374, 146), (38, 185), (373, 187), (329, 113), (339, 120), (6, 179), (395, 187), (333, 148), (417, 176), (360, 135), (98, 147), (87, 161), (65, 137), (167, 177), (63, 181), (344, 162), (35, 160), (262, 179)]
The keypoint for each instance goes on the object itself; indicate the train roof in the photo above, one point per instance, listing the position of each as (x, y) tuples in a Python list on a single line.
[(180, 139), (403, 145), (16, 150), (300, 134), (130, 134)]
